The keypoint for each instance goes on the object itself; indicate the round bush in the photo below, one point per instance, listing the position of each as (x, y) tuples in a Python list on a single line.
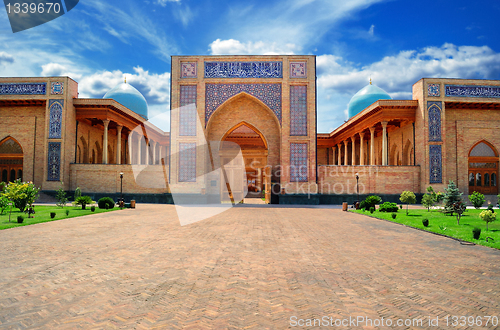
[(476, 232), (106, 203), (372, 209), (67, 212), (394, 215), (425, 222), (52, 215), (388, 207), (20, 219)]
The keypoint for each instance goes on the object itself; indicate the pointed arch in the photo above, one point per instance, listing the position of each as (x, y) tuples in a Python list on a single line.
[(407, 153), (236, 97), (11, 159), (247, 124), (483, 148), (483, 168)]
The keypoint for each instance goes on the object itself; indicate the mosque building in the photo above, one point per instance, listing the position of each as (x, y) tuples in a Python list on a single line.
[(265, 106)]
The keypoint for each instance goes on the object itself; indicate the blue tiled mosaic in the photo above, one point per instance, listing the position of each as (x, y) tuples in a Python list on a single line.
[(243, 69), (54, 161), (298, 110), (189, 70), (298, 162), (216, 94), (187, 111), (435, 163), (433, 90), (434, 110), (56, 109), (57, 88), (23, 89), (298, 70), (472, 91), (187, 162)]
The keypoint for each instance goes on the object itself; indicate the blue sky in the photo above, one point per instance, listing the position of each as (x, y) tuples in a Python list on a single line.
[(394, 42)]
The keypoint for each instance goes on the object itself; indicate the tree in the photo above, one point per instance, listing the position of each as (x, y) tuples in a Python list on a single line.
[(477, 199), (61, 197), (459, 208), (83, 201), (4, 203), (408, 197), (451, 196), (487, 216), (428, 201), (78, 193)]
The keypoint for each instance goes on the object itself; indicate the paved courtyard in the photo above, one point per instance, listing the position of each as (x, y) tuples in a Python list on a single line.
[(247, 268)]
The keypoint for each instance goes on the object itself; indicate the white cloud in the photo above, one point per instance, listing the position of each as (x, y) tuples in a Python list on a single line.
[(371, 31), (339, 80), (235, 47), (164, 2), (6, 58)]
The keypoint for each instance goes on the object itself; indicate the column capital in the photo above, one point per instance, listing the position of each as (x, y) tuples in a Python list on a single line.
[(362, 135), (353, 138), (384, 124), (372, 129), (105, 122)]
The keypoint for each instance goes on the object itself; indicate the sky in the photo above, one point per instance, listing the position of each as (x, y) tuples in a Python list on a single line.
[(393, 42)]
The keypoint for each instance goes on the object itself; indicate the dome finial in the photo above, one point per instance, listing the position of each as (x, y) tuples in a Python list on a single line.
[(125, 79), (370, 80)]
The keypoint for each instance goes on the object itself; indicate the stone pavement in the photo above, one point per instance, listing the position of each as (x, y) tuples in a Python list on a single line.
[(247, 268)]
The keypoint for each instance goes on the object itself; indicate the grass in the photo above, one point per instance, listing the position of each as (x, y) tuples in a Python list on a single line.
[(447, 224), (42, 214)]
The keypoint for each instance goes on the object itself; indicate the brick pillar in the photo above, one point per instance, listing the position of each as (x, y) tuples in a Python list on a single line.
[(362, 148), (372, 145), (105, 142), (384, 143), (119, 144)]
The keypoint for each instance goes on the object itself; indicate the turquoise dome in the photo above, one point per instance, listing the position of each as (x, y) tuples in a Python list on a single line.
[(127, 95), (365, 97)]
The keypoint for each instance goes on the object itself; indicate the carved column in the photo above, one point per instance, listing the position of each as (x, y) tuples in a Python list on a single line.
[(339, 156), (372, 145), (362, 148), (346, 153), (139, 147), (384, 143), (353, 151), (105, 142), (119, 144)]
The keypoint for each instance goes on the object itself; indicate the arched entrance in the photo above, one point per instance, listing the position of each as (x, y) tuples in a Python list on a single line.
[(483, 169), (254, 148), (11, 160)]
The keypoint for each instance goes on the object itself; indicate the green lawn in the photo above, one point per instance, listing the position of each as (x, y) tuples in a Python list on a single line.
[(42, 214), (446, 224)]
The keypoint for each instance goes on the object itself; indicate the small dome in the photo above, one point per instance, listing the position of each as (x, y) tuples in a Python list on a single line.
[(127, 95), (365, 97)]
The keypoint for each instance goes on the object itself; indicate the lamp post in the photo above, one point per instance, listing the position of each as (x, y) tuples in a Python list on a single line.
[(357, 186), (121, 189)]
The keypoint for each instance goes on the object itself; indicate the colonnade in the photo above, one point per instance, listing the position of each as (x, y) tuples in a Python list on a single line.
[(362, 160)]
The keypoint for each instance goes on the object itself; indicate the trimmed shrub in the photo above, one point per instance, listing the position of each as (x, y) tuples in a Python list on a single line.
[(78, 193), (67, 212), (408, 197), (388, 207), (477, 199), (106, 203), (400, 207), (372, 209), (92, 208), (452, 196), (372, 200), (394, 215), (52, 215), (476, 232), (20, 219), (488, 217), (425, 222), (490, 208)]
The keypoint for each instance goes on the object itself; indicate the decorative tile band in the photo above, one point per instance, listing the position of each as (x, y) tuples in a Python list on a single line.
[(435, 162), (54, 161), (217, 94), (298, 110), (298, 70), (434, 110), (187, 162), (187, 111), (243, 69), (57, 88), (298, 162), (433, 90), (189, 70), (23, 89), (56, 109), (472, 91)]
